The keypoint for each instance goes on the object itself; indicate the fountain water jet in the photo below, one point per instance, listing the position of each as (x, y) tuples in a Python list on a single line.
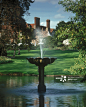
[(41, 48), (41, 63)]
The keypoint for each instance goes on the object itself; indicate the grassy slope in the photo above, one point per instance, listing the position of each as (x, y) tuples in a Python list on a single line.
[(65, 59)]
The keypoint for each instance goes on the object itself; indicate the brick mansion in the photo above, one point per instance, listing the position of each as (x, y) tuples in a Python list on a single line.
[(45, 30)]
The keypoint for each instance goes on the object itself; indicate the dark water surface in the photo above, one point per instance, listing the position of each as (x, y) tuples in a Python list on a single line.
[(21, 91)]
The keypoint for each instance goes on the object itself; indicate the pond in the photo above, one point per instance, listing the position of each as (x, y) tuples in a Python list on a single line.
[(21, 91)]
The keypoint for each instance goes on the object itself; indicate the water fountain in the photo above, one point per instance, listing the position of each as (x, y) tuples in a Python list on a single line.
[(41, 49), (41, 63)]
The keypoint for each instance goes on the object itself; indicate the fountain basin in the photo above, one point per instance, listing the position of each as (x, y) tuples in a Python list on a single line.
[(41, 61)]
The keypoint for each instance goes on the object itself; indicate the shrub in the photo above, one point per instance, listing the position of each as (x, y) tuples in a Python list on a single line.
[(21, 46), (35, 47), (9, 47), (79, 66), (4, 59), (28, 49), (49, 42), (60, 44)]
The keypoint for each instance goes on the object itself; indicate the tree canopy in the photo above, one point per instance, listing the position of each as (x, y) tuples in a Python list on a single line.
[(76, 6), (77, 33), (11, 21), (62, 31)]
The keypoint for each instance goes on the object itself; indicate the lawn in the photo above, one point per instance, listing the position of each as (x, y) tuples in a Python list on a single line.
[(65, 59)]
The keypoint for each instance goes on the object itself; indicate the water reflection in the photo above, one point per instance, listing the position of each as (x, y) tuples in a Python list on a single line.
[(42, 101), (21, 91)]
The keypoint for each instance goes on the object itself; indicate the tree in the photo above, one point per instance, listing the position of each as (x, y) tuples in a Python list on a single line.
[(49, 42), (60, 24), (62, 31), (77, 33), (10, 15), (78, 7)]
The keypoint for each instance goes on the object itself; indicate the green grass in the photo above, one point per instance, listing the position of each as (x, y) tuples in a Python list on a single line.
[(65, 59)]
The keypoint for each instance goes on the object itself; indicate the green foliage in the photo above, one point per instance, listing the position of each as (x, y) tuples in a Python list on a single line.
[(61, 34), (32, 47), (78, 37), (79, 65), (60, 24), (27, 36), (59, 44), (28, 49), (78, 7), (49, 42), (11, 16), (77, 33), (62, 31), (22, 46), (64, 60)]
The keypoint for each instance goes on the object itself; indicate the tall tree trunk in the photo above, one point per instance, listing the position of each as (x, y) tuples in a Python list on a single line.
[(18, 51), (14, 53)]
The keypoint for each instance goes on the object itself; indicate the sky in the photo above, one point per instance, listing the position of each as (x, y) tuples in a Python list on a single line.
[(47, 9)]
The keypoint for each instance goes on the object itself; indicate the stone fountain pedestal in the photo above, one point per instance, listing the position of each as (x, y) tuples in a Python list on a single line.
[(41, 63), (41, 86)]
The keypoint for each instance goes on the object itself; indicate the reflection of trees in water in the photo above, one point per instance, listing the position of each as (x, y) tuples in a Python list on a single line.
[(41, 101), (19, 101), (47, 102), (11, 101), (84, 100), (71, 101), (19, 81), (36, 101), (13, 82)]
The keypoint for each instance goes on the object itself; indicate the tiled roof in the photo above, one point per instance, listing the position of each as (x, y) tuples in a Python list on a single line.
[(26, 25), (32, 25)]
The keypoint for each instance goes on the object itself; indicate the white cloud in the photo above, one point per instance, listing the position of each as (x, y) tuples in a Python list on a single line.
[(43, 23), (59, 16), (52, 24)]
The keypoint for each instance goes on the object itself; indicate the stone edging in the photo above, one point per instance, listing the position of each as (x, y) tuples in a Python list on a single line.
[(21, 74)]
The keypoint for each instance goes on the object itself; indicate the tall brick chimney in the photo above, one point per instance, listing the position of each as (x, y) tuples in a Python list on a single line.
[(37, 22), (48, 25)]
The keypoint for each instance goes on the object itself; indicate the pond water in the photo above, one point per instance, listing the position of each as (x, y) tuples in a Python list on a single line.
[(21, 91)]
